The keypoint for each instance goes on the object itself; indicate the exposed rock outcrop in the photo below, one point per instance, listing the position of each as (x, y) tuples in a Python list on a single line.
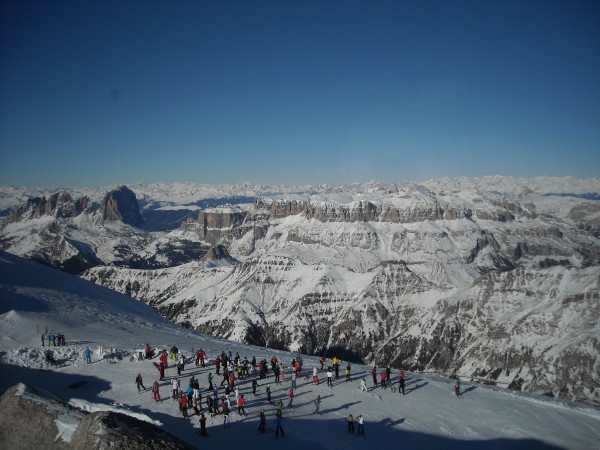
[(215, 253), (216, 223), (60, 205), (29, 418), (18, 412), (121, 204), (365, 211), (108, 430)]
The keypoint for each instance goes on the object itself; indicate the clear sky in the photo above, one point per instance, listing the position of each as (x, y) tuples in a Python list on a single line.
[(103, 92)]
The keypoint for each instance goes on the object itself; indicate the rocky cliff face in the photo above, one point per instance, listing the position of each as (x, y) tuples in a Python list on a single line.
[(120, 204), (215, 223), (60, 205), (363, 211)]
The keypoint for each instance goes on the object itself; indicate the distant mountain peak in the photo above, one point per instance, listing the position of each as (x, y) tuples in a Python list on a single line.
[(122, 205)]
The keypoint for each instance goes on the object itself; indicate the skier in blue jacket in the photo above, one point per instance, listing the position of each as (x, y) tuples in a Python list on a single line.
[(87, 353)]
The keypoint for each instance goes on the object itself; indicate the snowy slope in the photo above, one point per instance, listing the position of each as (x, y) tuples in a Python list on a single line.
[(34, 298)]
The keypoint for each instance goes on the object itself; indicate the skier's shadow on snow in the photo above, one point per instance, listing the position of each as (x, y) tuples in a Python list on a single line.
[(417, 386), (410, 381), (469, 389), (390, 423), (344, 406)]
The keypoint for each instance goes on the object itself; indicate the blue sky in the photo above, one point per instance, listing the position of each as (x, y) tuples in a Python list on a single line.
[(103, 92)]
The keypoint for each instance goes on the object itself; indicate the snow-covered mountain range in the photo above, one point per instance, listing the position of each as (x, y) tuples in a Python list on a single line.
[(495, 278), (74, 405)]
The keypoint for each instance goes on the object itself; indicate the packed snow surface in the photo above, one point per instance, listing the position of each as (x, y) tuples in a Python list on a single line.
[(36, 299)]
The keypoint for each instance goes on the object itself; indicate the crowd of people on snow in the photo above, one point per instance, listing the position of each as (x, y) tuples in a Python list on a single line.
[(234, 369), (217, 398)]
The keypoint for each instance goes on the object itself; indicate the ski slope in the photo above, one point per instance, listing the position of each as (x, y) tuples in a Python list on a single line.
[(35, 298)]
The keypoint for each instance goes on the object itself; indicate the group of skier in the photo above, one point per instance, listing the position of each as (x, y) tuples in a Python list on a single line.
[(53, 340), (219, 402), (385, 378)]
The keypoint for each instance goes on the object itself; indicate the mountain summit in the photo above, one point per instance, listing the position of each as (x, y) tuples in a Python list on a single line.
[(122, 205)]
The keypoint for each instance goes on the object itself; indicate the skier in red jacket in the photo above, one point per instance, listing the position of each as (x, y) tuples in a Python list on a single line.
[(155, 392)]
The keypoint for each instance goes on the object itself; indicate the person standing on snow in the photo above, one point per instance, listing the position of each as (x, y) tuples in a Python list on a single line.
[(401, 383), (315, 376), (87, 353), (155, 391), (269, 393), (189, 393), (226, 421), (457, 387), (361, 425), (336, 366), (263, 421), (383, 379), (350, 421), (254, 386), (202, 421), (209, 405), (163, 358), (291, 397), (317, 405), (183, 405), (241, 403), (348, 372), (218, 365), (175, 386), (237, 394), (329, 377), (161, 369), (276, 372), (139, 383), (293, 377), (374, 375), (43, 341), (363, 385)]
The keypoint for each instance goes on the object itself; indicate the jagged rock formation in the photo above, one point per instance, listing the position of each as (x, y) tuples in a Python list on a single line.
[(120, 204), (60, 205), (70, 235)]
